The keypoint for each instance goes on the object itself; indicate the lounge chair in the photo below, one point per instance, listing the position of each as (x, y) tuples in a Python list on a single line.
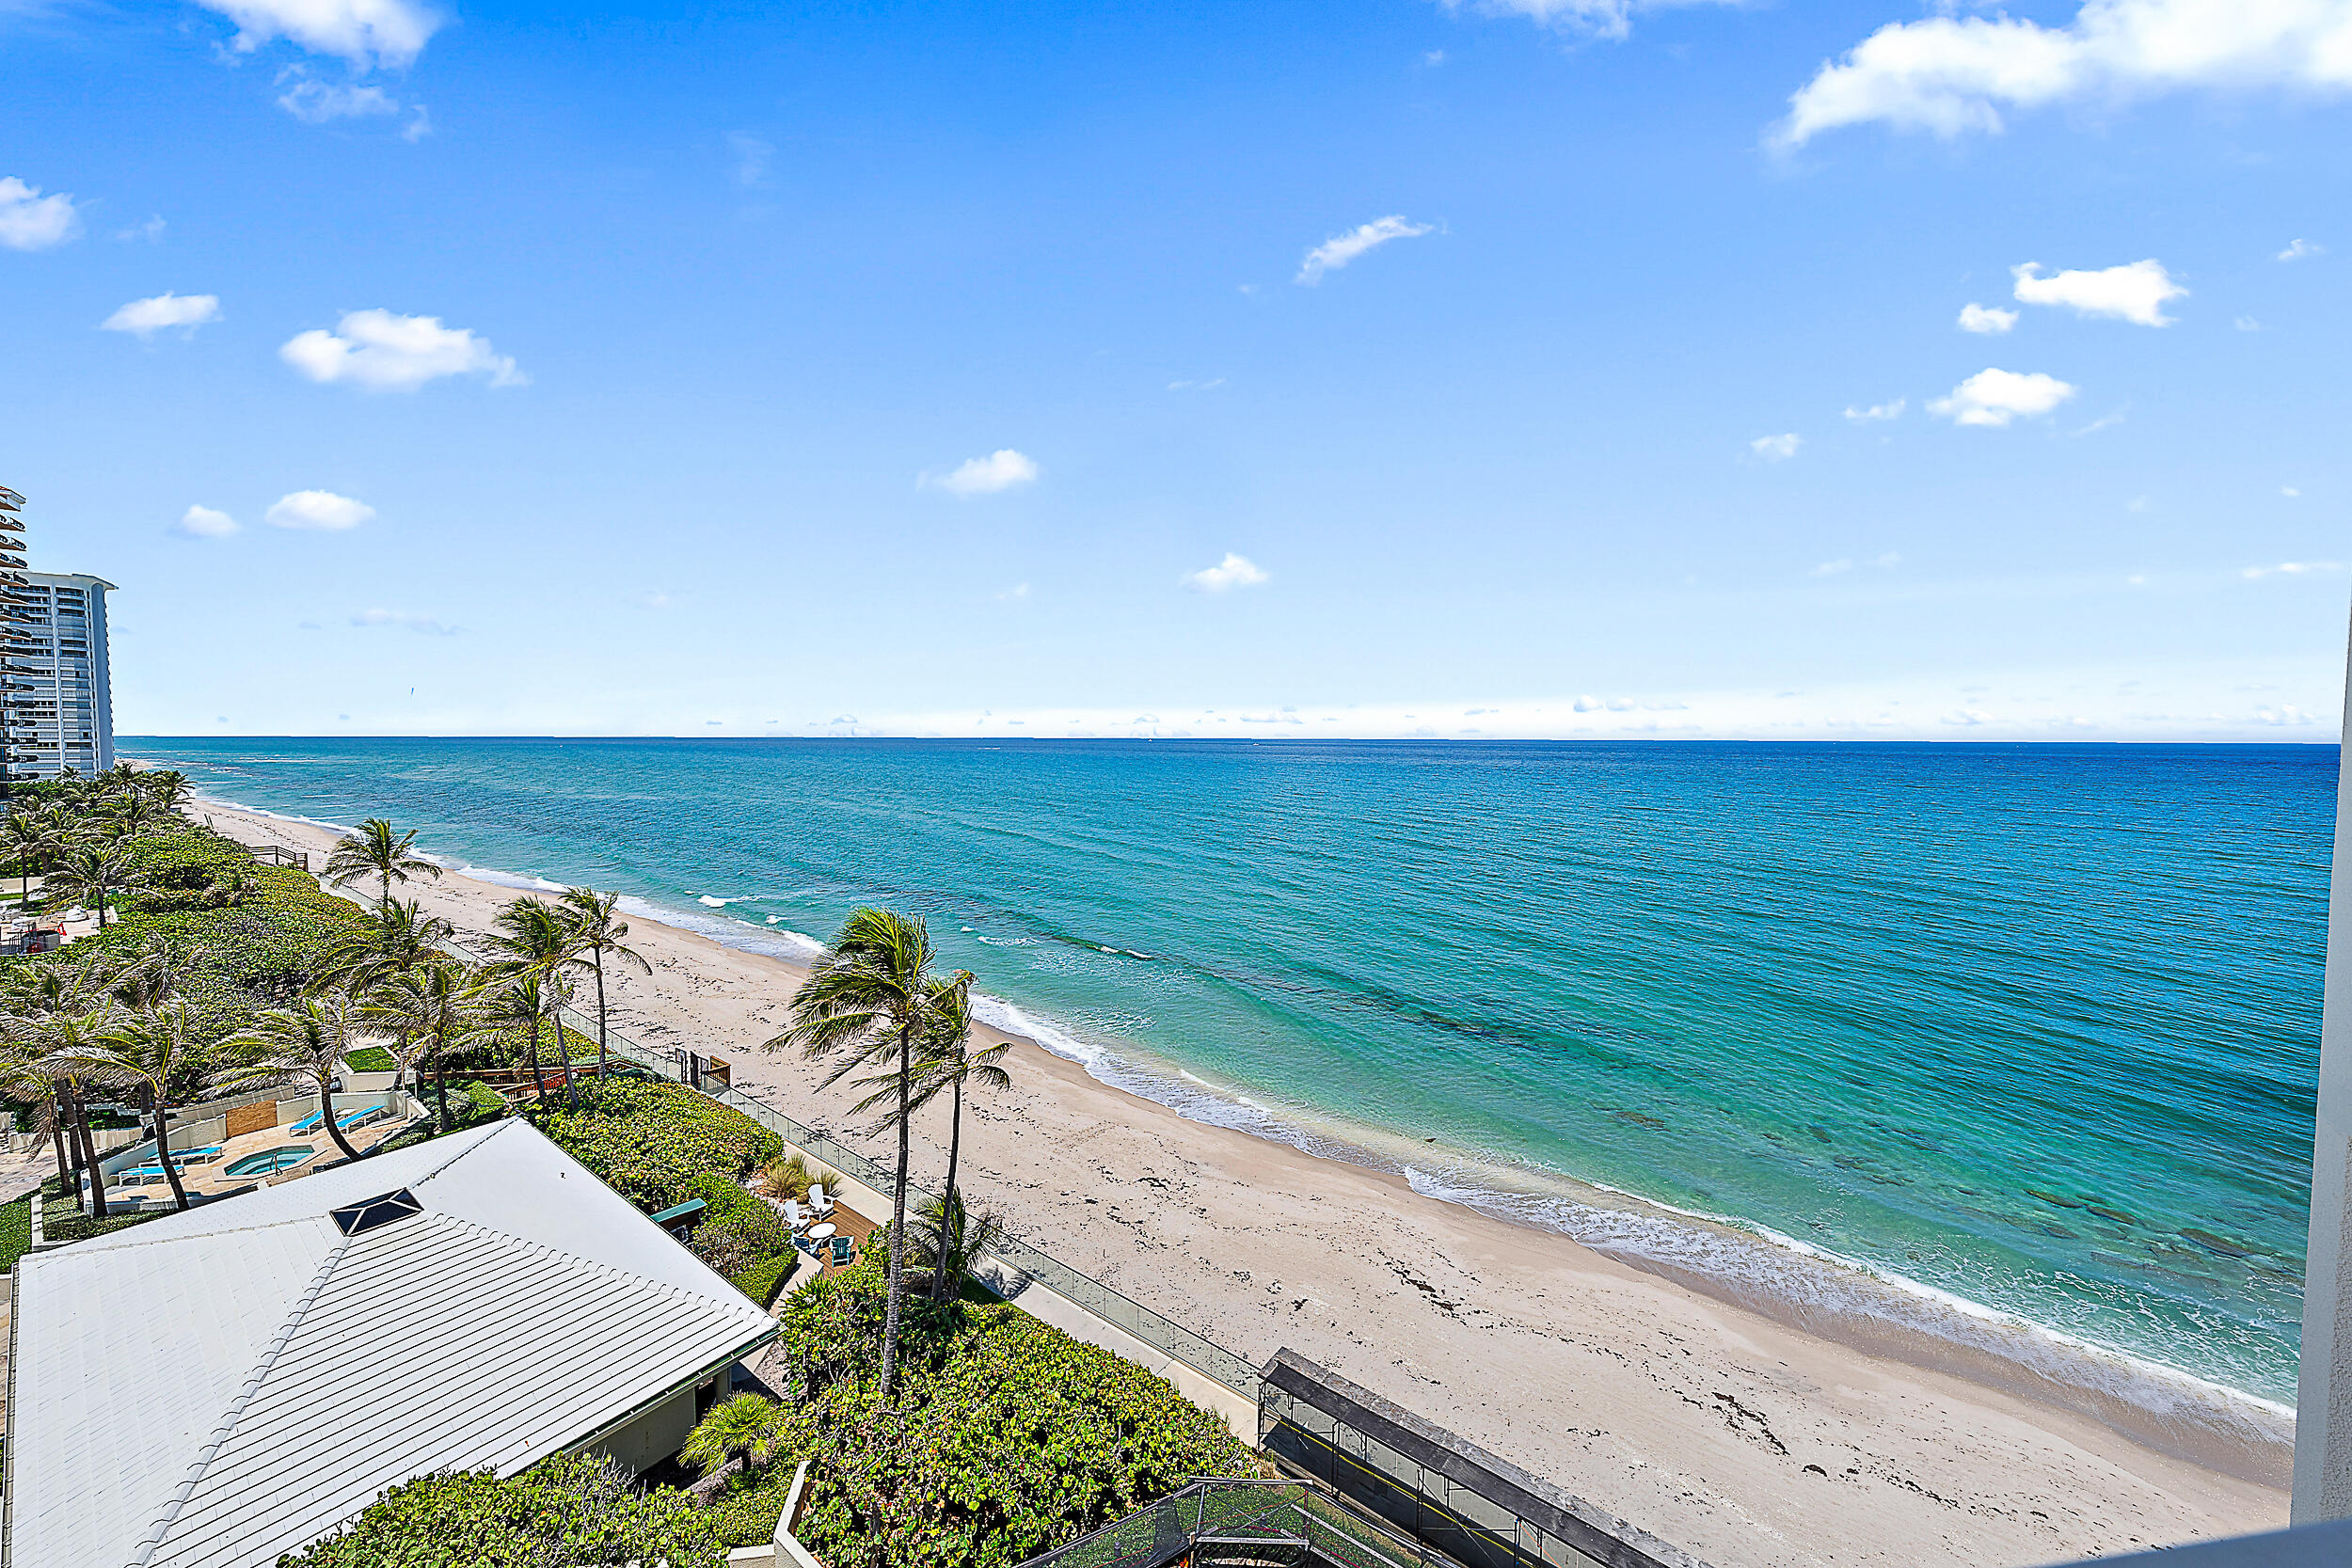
[(307, 1125), (360, 1118), (844, 1251)]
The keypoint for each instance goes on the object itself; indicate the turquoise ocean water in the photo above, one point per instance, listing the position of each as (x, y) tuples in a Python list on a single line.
[(2023, 1030)]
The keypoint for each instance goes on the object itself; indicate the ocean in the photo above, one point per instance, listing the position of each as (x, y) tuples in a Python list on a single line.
[(2015, 1043)]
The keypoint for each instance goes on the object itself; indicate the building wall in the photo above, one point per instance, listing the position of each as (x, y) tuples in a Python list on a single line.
[(71, 703), (652, 1436)]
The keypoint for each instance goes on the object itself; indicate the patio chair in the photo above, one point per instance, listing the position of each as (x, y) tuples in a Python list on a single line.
[(359, 1119), (818, 1203), (307, 1125), (844, 1251), (794, 1215)]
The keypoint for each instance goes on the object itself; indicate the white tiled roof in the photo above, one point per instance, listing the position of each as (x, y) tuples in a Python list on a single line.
[(216, 1388)]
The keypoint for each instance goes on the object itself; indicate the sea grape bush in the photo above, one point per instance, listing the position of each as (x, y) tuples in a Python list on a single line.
[(652, 1140), (1010, 1438), (567, 1510)]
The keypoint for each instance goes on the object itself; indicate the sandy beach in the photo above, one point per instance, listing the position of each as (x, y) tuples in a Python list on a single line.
[(1740, 1438)]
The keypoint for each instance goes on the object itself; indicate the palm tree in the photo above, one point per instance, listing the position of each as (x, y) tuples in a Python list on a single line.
[(429, 1010), (375, 850), (597, 929), (302, 1044), (29, 840), (950, 1062), (168, 786), (964, 1239), (61, 1038), (515, 1000), (746, 1428), (540, 943), (86, 875), (870, 997), (129, 813), (396, 938), (154, 1048), (23, 1080)]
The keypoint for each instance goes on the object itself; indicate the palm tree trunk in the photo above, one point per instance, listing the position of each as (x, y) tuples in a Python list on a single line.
[(603, 1045), (162, 1154), (898, 1213), (90, 1161), (564, 1055), (536, 1076), (440, 1089), (102, 905), (947, 1214), (57, 1136), (327, 1113)]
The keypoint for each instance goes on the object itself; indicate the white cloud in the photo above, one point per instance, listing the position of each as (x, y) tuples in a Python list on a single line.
[(365, 32), (1000, 471), (1878, 411), (2135, 292), (2247, 324), (1991, 320), (315, 103), (426, 625), (1018, 591), (383, 351), (151, 230), (1951, 76), (321, 510), (1196, 386), (1994, 398), (1333, 254), (1234, 571), (1832, 568), (2289, 491), (2297, 249), (1608, 18), (420, 124), (146, 317), (202, 522), (1892, 558), (2289, 569), (31, 221), (1776, 449)]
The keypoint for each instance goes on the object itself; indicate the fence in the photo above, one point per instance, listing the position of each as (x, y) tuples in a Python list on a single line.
[(1234, 1521), (1449, 1494)]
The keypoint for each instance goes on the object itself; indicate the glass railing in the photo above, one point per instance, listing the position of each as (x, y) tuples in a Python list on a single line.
[(1242, 1521)]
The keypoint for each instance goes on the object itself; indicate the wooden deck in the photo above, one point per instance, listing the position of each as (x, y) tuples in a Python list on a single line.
[(847, 1222)]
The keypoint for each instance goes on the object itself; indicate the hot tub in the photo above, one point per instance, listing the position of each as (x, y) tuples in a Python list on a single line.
[(269, 1161)]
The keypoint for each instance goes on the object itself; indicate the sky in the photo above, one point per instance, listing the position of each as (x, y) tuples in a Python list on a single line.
[(1540, 367)]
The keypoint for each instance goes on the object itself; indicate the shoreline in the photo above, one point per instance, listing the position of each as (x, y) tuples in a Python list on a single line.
[(2232, 1462)]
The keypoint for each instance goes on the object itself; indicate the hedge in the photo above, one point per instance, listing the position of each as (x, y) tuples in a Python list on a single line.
[(652, 1140), (763, 1279), (1008, 1437), (565, 1509)]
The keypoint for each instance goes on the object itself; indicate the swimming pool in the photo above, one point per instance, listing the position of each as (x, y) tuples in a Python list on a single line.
[(269, 1161)]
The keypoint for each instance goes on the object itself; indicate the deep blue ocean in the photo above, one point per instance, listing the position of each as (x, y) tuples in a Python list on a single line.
[(2033, 1027)]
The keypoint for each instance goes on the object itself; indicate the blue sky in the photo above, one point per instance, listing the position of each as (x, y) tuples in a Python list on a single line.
[(1364, 369)]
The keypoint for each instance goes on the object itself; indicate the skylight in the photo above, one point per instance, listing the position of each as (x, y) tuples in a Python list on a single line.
[(369, 1213)]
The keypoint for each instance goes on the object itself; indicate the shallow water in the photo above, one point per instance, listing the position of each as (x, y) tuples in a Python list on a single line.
[(2032, 1026)]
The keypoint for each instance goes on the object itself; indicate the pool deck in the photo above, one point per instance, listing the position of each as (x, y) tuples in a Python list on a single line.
[(211, 1176)]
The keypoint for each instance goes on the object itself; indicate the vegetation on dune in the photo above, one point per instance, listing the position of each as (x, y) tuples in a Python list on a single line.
[(1006, 1438), (653, 1140), (566, 1512)]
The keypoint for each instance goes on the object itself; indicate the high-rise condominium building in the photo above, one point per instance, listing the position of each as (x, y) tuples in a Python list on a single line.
[(61, 656)]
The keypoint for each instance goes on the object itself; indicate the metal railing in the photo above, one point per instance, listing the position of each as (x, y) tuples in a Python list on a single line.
[(1243, 1521)]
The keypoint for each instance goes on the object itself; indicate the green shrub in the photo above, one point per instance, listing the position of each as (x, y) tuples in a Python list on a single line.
[(195, 869), (787, 1178), (762, 1280), (651, 1140), (565, 1509), (1008, 1438), (372, 1058), (745, 1514)]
